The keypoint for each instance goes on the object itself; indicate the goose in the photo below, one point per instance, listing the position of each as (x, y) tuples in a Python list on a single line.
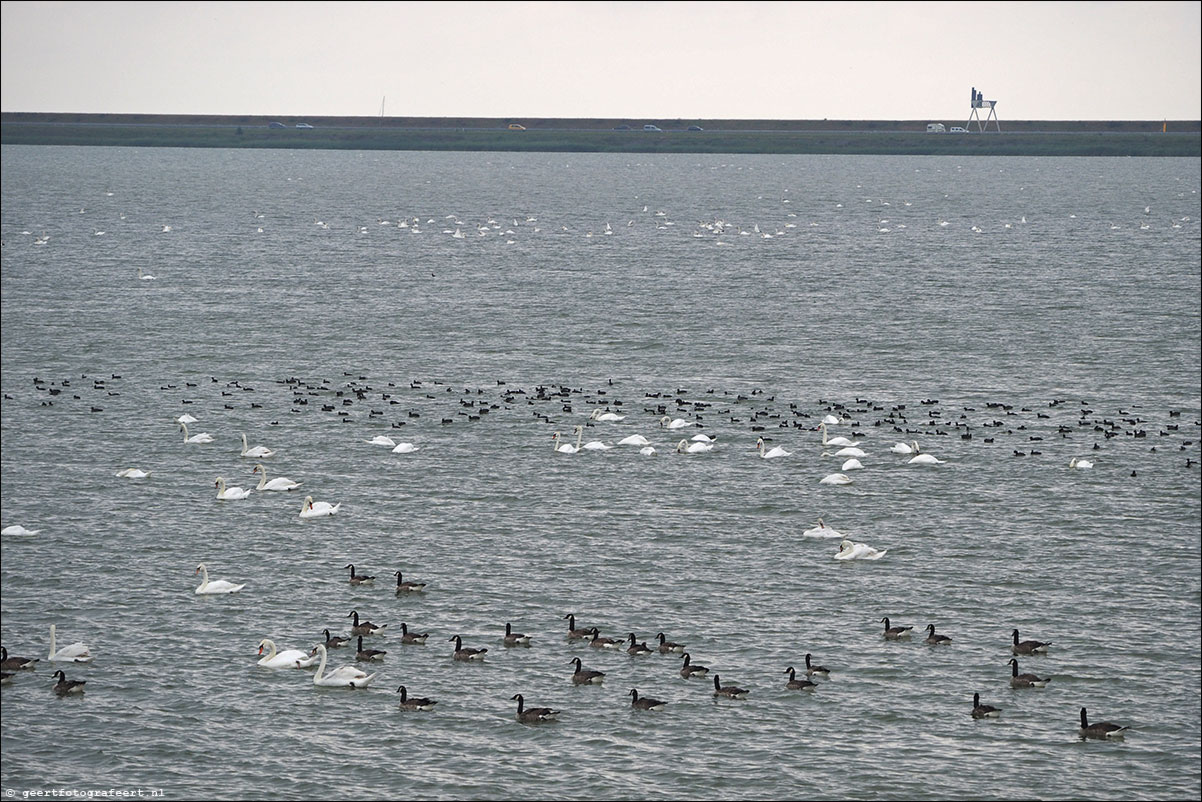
[(637, 648), (835, 479), (515, 638), (319, 509), (133, 473), (359, 579), (896, 633), (412, 638), (674, 423), (367, 655), (668, 647), (65, 686), (278, 484), (381, 440), (258, 452), (414, 703), (404, 448), (858, 551), (567, 448), (645, 702), (465, 655), (215, 587), (815, 671), (573, 633), (232, 493), (15, 663), (77, 652), (685, 447), (936, 640), (342, 677), (835, 441), (289, 658), (903, 448), (334, 641), (774, 452), (363, 627), (983, 711), (1029, 646), (533, 715), (1079, 463), (689, 669), (584, 676), (795, 684), (196, 439), (1018, 680), (407, 587), (17, 529), (606, 416), (634, 440), (1103, 729), (924, 459), (6, 678), (823, 531), (598, 642), (728, 691)]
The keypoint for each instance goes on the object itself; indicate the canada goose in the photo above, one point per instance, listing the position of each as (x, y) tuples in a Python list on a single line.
[(412, 637), (364, 627), (645, 702), (728, 691), (6, 678), (584, 676), (689, 670), (515, 638), (65, 686), (359, 580), (983, 711), (936, 640), (795, 684), (408, 587), (415, 703), (16, 663), (895, 633), (1029, 646), (637, 648), (1018, 680), (666, 646), (573, 633), (1103, 729), (815, 671), (598, 642), (367, 655), (333, 641), (466, 655), (535, 715)]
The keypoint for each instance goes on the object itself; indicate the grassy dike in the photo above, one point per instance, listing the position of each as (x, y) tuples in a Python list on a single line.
[(872, 138)]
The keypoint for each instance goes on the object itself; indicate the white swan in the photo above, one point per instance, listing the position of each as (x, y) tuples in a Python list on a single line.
[(1079, 463), (831, 420), (685, 447), (289, 658), (851, 451), (17, 529), (677, 423), (185, 418), (381, 440), (776, 451), (258, 452), (404, 448), (924, 459), (903, 448), (144, 276), (133, 473), (602, 415), (858, 551), (203, 437), (276, 484), (648, 451), (852, 464), (232, 493), (77, 652), (835, 441), (822, 530), (318, 509), (344, 677), (634, 440), (217, 586), (568, 448), (701, 437), (835, 479)]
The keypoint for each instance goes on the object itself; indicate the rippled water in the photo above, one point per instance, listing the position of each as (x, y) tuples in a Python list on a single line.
[(1056, 314)]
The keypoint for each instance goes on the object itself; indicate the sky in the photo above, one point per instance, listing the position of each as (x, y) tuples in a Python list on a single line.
[(628, 60)]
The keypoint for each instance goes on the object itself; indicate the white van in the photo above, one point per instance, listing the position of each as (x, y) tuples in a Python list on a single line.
[(650, 127), (956, 129), (936, 128)]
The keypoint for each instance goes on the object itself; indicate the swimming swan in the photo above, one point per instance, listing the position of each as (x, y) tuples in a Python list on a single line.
[(404, 448), (343, 677), (17, 529), (924, 459), (835, 479), (77, 652), (289, 658), (133, 473), (1079, 463), (677, 423), (634, 440), (258, 452), (278, 483), (835, 441), (568, 448), (217, 586), (858, 551), (381, 440), (233, 493), (685, 447), (318, 509), (775, 451), (602, 415), (822, 530), (203, 437), (902, 448)]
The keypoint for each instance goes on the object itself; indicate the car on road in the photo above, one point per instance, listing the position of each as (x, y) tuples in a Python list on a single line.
[(650, 127), (516, 127), (303, 125), (276, 125), (621, 127), (696, 128)]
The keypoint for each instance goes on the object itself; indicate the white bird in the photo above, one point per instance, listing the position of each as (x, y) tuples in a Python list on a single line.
[(858, 551), (185, 418), (344, 677), (648, 451), (144, 276), (381, 440), (903, 448), (1079, 463), (217, 586), (132, 473), (702, 437), (17, 529), (404, 448), (77, 652), (822, 530), (634, 440), (831, 420), (674, 423), (835, 479), (277, 484), (924, 459), (203, 437), (850, 451), (568, 448), (602, 415), (776, 451), (232, 493), (835, 441), (852, 464), (685, 447), (258, 452), (591, 445), (312, 509), (289, 658)]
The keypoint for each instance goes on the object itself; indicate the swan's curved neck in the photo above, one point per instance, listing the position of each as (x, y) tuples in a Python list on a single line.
[(271, 644), (244, 446), (822, 428), (204, 573), (184, 426), (579, 436), (262, 477), (321, 667), (52, 640)]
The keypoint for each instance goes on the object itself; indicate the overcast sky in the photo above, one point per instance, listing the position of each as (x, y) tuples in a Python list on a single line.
[(637, 60)]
